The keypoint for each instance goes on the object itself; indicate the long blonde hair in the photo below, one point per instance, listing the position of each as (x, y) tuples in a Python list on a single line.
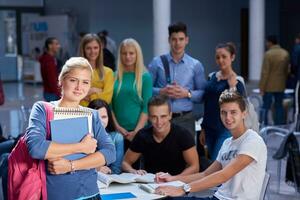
[(87, 38), (139, 67)]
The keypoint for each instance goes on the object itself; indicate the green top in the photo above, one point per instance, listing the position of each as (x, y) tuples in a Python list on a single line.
[(126, 105)]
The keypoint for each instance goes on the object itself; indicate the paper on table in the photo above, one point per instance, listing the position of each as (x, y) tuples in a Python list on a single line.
[(150, 187), (106, 179)]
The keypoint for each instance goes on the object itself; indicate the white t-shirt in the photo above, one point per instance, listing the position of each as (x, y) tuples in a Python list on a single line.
[(248, 182)]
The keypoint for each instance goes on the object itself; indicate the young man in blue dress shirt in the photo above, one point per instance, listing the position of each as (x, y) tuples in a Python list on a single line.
[(186, 81)]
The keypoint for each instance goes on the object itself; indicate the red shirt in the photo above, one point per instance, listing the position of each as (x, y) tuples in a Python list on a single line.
[(49, 73)]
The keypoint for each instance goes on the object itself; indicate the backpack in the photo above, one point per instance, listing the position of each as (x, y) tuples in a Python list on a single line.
[(292, 175), (290, 146), (251, 120), (27, 176)]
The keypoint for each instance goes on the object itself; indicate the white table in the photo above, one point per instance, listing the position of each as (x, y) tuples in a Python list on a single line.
[(143, 195), (130, 187)]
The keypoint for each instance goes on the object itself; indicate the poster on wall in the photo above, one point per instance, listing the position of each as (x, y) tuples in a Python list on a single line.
[(36, 29)]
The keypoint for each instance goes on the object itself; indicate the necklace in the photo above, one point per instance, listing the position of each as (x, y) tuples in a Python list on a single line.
[(220, 76)]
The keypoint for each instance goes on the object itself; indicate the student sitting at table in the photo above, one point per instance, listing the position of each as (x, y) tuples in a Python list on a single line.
[(240, 165), (109, 125), (165, 147)]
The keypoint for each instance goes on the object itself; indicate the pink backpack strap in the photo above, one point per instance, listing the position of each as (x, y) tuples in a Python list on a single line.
[(49, 117), (23, 170)]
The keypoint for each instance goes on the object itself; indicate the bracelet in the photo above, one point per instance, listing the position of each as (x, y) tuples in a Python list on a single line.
[(72, 167), (232, 89), (189, 94)]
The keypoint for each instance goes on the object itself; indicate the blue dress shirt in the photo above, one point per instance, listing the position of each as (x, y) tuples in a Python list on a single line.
[(188, 73)]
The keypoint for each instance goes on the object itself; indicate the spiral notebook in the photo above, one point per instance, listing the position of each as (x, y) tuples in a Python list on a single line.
[(66, 113), (70, 125)]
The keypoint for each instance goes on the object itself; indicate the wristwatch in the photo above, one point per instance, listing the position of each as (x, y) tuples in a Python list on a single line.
[(187, 188), (189, 94)]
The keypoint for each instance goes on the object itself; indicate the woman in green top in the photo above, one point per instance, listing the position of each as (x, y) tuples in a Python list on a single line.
[(132, 90)]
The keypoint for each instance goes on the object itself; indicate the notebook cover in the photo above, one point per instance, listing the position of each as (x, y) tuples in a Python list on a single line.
[(122, 195), (67, 131)]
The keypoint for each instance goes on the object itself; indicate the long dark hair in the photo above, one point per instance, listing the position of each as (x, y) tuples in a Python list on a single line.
[(97, 104)]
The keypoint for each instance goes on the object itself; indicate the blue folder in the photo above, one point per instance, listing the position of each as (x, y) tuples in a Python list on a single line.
[(122, 195), (68, 131)]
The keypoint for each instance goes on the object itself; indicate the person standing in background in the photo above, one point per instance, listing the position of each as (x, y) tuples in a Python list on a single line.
[(132, 91), (111, 44), (295, 57), (185, 82), (213, 132), (273, 78), (295, 73), (103, 77), (49, 69), (108, 58)]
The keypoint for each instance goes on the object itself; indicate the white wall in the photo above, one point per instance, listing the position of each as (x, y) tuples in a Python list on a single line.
[(209, 22)]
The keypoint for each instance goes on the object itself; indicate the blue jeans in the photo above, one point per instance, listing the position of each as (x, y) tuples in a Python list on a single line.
[(4, 173), (214, 142), (97, 197), (6, 146), (50, 96), (192, 198), (267, 102), (117, 138)]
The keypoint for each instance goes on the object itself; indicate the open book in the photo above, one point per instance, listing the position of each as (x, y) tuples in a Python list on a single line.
[(150, 187), (105, 179)]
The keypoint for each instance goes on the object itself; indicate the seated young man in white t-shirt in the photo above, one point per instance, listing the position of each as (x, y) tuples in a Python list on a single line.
[(240, 165)]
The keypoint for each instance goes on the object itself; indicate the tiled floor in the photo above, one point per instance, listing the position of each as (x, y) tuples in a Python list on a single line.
[(20, 97), (14, 113)]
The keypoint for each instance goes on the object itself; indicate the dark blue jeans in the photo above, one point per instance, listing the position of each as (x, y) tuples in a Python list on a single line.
[(6, 147), (279, 111), (4, 173), (50, 96), (191, 198), (214, 142), (97, 197)]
